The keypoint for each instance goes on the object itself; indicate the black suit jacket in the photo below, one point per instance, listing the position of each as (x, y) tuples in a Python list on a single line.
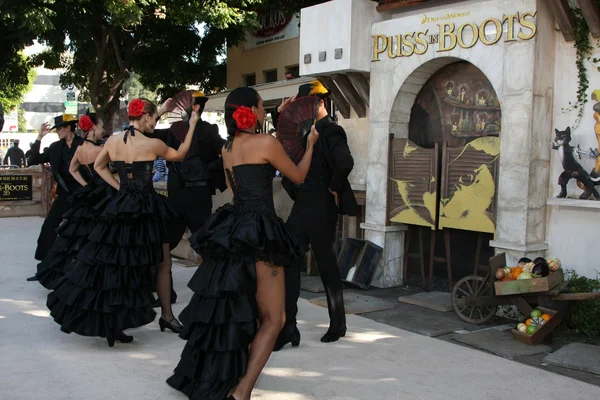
[(53, 156), (208, 144), (339, 162)]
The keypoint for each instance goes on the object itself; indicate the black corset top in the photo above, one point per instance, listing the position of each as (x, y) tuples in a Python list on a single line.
[(252, 186), (135, 176)]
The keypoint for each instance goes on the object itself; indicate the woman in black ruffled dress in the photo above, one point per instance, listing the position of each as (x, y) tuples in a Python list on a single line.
[(109, 287), (85, 205), (240, 279)]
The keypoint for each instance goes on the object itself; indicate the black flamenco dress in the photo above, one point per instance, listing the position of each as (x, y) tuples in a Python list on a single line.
[(220, 321), (109, 287), (86, 205)]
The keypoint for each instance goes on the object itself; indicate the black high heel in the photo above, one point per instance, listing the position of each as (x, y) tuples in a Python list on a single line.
[(120, 337), (332, 336), (174, 325), (288, 335)]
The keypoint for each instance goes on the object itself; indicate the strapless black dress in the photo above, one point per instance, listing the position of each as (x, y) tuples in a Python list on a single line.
[(220, 321), (86, 205), (109, 287)]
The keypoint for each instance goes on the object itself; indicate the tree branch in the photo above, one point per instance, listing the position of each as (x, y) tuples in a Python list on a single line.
[(120, 63)]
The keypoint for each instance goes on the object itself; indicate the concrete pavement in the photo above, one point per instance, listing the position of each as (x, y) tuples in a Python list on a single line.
[(373, 362)]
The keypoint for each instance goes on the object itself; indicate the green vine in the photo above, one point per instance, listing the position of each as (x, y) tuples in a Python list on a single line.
[(584, 53)]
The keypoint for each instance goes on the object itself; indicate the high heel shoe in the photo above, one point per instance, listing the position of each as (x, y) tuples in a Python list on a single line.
[(332, 336), (288, 335), (173, 325), (120, 337)]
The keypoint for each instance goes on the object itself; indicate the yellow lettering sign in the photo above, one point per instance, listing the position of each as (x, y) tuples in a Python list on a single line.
[(380, 44), (520, 26)]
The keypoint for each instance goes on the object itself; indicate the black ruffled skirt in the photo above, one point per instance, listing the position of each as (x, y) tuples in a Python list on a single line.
[(109, 287), (85, 207), (220, 321)]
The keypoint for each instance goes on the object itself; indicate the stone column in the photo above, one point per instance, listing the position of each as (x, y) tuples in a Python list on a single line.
[(525, 147)]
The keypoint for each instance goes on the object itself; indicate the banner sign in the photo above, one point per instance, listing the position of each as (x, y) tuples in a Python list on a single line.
[(275, 26), (15, 187), (447, 35)]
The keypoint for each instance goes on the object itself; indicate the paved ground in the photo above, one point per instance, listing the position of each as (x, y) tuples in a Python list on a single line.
[(375, 361)]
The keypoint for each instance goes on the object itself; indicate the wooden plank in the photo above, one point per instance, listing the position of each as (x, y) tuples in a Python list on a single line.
[(386, 5), (564, 17), (351, 94), (361, 83), (577, 296), (336, 95), (591, 13)]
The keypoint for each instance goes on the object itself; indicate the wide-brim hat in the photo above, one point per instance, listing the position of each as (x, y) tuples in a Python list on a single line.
[(199, 98), (315, 88), (63, 120)]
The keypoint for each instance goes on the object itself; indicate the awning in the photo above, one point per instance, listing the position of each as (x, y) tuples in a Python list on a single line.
[(271, 93)]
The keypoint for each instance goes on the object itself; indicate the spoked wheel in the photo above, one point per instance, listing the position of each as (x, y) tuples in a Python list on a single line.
[(473, 299)]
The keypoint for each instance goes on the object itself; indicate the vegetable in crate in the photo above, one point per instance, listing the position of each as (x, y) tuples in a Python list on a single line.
[(553, 263), (500, 274), (540, 267), (525, 275), (523, 261)]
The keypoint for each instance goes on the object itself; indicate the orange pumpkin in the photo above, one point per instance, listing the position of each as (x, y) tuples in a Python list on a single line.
[(546, 317), (528, 322)]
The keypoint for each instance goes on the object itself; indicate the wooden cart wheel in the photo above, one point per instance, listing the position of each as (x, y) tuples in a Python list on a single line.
[(464, 299)]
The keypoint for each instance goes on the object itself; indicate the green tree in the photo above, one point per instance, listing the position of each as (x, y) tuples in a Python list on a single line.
[(12, 91), (22, 122), (21, 22), (99, 43), (133, 88)]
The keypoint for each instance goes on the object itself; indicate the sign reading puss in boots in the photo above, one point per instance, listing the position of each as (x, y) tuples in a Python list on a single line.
[(15, 187), (447, 35)]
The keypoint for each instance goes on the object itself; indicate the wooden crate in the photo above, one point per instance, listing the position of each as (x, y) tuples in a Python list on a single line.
[(534, 285), (542, 332)]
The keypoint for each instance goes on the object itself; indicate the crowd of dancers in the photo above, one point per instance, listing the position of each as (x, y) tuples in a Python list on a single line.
[(104, 248)]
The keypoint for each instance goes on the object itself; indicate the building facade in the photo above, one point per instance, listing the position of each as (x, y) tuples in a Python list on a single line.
[(460, 101)]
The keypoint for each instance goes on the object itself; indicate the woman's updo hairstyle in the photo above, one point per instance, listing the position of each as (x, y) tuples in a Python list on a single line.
[(140, 106), (240, 97), (87, 122)]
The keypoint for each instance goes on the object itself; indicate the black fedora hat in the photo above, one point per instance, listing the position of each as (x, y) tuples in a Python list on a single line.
[(315, 88), (199, 98), (63, 120)]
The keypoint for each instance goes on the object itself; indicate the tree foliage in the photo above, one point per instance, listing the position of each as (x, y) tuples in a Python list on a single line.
[(99, 43), (20, 23), (168, 44), (13, 90)]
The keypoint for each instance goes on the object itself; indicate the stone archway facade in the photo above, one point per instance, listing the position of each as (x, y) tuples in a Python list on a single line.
[(522, 73)]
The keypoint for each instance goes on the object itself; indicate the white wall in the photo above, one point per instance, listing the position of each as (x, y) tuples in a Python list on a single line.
[(572, 231), (337, 24), (357, 131)]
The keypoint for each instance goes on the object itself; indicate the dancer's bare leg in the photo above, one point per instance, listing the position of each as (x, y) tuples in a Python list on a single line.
[(270, 298), (163, 284)]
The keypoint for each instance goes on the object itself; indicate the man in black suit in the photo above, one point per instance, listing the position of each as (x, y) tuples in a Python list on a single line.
[(15, 155), (59, 155), (324, 194), (192, 182)]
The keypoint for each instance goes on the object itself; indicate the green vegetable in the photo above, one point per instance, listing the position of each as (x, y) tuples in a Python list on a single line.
[(531, 329), (525, 275), (535, 314)]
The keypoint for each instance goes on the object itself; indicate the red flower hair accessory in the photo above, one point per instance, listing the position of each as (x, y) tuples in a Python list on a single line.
[(136, 108), (85, 123), (244, 118)]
